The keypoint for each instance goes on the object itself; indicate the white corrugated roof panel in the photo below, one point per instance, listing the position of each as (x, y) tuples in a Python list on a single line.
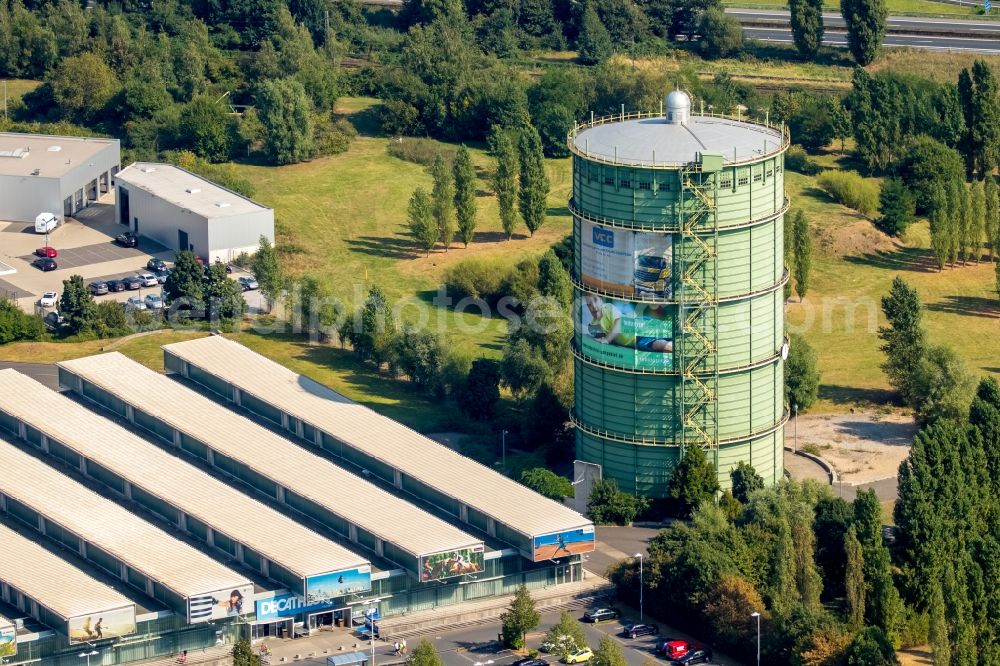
[(144, 547), (173, 480), (187, 190), (406, 450), (392, 519), (52, 581)]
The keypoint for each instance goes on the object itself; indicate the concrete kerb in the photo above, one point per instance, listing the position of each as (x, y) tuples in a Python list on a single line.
[(827, 467)]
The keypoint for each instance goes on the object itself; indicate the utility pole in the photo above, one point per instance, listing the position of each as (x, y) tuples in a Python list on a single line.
[(5, 99)]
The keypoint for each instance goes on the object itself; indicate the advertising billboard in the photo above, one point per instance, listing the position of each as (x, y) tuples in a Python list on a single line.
[(626, 334), (8, 640), (561, 544), (451, 563), (635, 264), (338, 584), (97, 626), (219, 605)]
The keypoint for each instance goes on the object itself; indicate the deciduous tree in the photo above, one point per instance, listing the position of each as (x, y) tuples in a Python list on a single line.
[(566, 635), (693, 481), (854, 579), (608, 505), (204, 127), (803, 254), (223, 297), (721, 35), (520, 618), (286, 114), (977, 219), (897, 206), (186, 282), (505, 182), (609, 653), (548, 483), (992, 216), (593, 44), (465, 195), (807, 26), (866, 22), (802, 377), (745, 480), (482, 390), (421, 222), (443, 201), (904, 339), (424, 655), (534, 183), (883, 606), (266, 270), (77, 306)]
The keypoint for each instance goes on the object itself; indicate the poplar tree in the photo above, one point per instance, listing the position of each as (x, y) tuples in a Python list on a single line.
[(964, 224), (442, 201), (803, 254), (505, 182), (956, 199), (789, 237), (807, 26), (977, 219), (984, 130), (992, 221), (420, 219), (903, 340), (534, 183), (593, 44), (939, 221), (940, 646), (883, 606), (854, 579), (866, 21), (465, 195), (807, 579)]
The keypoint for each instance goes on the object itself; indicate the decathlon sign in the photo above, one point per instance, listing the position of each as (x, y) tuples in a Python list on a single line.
[(289, 605)]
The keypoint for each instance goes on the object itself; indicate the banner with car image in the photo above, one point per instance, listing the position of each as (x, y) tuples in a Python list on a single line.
[(627, 334), (634, 264), (8, 639), (113, 623), (451, 563), (562, 544)]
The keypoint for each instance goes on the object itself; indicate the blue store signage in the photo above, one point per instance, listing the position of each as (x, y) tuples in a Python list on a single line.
[(289, 605)]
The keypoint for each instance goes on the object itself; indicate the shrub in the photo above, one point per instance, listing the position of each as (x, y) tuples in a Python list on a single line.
[(420, 150), (332, 137), (796, 159), (15, 324), (851, 190), (478, 278)]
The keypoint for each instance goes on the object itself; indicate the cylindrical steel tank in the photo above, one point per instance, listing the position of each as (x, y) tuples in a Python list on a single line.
[(678, 273)]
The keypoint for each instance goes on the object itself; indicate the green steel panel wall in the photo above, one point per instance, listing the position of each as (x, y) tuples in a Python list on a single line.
[(643, 406), (649, 196)]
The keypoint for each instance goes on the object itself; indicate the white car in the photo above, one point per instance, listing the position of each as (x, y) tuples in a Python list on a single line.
[(154, 302), (148, 279), (134, 303), (48, 299)]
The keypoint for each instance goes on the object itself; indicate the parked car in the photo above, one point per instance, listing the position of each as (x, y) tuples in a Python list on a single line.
[(127, 239), (98, 287), (248, 283), (148, 279), (672, 648), (530, 661), (115, 285), (54, 321), (696, 654), (48, 299), (131, 282), (154, 302), (596, 615), (134, 303), (47, 251), (636, 630), (45, 264), (156, 265), (581, 656), (161, 276)]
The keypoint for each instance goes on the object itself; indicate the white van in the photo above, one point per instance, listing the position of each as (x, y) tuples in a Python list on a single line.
[(45, 223)]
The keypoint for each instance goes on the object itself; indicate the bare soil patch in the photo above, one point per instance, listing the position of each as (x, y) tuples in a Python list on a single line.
[(862, 446)]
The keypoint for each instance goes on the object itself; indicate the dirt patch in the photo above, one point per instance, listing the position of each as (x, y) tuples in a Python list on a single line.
[(853, 240), (862, 446)]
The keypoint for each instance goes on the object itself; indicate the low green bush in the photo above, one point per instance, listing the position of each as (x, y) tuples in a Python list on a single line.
[(420, 150), (797, 160), (478, 278), (851, 190)]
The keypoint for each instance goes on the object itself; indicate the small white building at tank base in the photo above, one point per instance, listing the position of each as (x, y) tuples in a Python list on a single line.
[(53, 174), (183, 211)]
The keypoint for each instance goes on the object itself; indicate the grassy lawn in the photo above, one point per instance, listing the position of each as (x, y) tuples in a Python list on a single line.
[(343, 220), (18, 87), (144, 349), (853, 268)]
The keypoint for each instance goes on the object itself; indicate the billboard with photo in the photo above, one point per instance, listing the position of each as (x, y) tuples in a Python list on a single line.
[(562, 544), (451, 563), (8, 640), (626, 334), (98, 626), (230, 602), (635, 264), (338, 584)]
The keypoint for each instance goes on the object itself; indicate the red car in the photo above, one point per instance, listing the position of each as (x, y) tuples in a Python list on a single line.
[(47, 252), (673, 648)]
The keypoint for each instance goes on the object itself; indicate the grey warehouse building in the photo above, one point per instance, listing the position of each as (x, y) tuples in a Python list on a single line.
[(183, 211), (53, 174)]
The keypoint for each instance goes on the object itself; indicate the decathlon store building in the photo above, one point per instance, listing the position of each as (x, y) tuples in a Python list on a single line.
[(261, 508)]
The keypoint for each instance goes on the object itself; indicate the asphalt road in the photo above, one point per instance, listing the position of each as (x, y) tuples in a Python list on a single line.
[(928, 42), (45, 373), (902, 24)]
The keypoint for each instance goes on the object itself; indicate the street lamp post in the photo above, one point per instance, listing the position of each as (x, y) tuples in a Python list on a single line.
[(371, 619), (503, 449), (795, 409), (88, 655), (757, 615), (639, 555)]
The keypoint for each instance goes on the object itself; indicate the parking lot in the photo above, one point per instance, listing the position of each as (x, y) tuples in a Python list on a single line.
[(86, 247)]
